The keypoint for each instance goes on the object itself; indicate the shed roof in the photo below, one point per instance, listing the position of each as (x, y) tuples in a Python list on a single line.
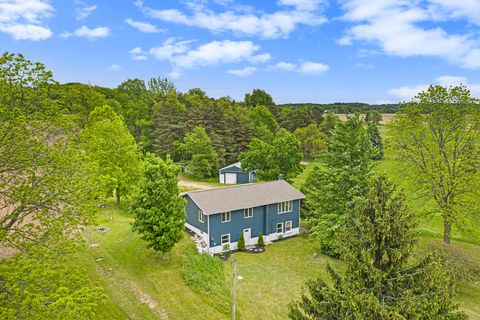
[(243, 196), (236, 164)]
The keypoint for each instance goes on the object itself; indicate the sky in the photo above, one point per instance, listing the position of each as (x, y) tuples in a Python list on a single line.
[(373, 51)]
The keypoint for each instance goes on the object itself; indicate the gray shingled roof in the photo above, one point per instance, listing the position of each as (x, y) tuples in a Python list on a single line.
[(243, 196)]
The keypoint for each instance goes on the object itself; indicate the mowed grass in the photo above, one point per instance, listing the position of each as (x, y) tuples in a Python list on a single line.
[(141, 284)]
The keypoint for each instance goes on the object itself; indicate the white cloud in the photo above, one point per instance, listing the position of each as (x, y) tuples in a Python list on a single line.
[(169, 48), (143, 26), (284, 66), (245, 72), (83, 10), (260, 58), (137, 54), (89, 33), (457, 9), (305, 68), (313, 68), (278, 24), (395, 25), (113, 67), (174, 74), (25, 19), (407, 93)]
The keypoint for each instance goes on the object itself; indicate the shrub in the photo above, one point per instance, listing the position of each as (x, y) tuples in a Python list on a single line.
[(206, 274), (241, 243), (260, 239)]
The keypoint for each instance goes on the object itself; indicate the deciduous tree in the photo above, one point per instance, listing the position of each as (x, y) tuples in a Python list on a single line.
[(158, 209), (312, 141), (435, 139)]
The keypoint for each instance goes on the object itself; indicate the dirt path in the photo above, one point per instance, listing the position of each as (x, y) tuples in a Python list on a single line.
[(193, 185)]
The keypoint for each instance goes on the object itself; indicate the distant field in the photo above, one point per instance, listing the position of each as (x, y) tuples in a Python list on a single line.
[(386, 117)]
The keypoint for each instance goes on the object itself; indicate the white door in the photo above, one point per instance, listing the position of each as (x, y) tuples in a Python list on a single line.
[(222, 177), (230, 178), (247, 235)]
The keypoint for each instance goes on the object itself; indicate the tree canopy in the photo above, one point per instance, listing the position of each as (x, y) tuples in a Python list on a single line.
[(381, 280), (435, 139)]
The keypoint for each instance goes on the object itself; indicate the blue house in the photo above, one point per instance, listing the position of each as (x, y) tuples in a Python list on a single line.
[(233, 174), (220, 216)]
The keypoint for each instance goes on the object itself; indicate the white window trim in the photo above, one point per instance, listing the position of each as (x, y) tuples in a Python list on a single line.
[(285, 226), (221, 239), (246, 211), (276, 228), (285, 204), (202, 216), (229, 216)]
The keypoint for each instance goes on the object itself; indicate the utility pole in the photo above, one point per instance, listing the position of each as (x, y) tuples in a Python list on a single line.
[(234, 287)]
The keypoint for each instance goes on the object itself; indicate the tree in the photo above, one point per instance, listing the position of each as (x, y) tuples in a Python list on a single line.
[(381, 280), (312, 141), (201, 157), (259, 97), (329, 122), (269, 160), (112, 148), (80, 100), (43, 176), (330, 191), (373, 116), (435, 139), (241, 242), (264, 123), (158, 209), (375, 140)]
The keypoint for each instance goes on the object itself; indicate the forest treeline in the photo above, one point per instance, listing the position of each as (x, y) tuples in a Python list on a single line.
[(346, 107)]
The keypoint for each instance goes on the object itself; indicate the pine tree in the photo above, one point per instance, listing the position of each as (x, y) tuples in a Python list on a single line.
[(382, 280), (158, 209), (347, 170), (375, 140)]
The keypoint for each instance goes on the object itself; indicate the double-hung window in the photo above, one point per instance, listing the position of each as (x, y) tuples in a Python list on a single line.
[(225, 239), (279, 227), (201, 216), (284, 207), (288, 226), (226, 216), (248, 213)]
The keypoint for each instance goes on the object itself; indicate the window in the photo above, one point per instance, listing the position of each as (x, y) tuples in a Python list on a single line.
[(201, 216), (280, 227), (226, 216), (225, 239), (248, 213), (288, 226), (284, 207)]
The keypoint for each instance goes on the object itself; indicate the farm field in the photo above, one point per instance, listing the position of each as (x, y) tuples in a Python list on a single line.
[(140, 284)]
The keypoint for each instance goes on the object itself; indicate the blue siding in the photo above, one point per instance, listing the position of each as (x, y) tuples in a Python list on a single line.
[(192, 215), (242, 177), (264, 220)]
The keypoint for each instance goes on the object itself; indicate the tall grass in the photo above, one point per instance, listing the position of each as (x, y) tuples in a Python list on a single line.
[(206, 274)]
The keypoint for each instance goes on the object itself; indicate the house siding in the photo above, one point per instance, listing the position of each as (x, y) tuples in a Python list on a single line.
[(192, 216), (264, 220), (242, 177), (231, 169)]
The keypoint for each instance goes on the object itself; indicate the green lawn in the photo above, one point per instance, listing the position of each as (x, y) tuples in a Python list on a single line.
[(142, 285)]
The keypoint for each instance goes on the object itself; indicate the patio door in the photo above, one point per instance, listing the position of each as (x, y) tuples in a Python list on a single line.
[(247, 235)]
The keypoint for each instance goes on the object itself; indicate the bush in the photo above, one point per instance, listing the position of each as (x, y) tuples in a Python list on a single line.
[(260, 239), (206, 274), (241, 243)]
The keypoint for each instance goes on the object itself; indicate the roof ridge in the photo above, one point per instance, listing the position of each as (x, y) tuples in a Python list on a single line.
[(235, 186)]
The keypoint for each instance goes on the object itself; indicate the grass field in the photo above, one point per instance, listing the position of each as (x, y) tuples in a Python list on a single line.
[(141, 284)]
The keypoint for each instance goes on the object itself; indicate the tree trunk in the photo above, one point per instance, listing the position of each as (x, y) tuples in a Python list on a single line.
[(447, 228), (118, 196)]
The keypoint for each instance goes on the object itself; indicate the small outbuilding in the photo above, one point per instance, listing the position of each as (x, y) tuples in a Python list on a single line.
[(233, 174)]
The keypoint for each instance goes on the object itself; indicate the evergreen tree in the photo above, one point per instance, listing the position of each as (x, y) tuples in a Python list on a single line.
[(158, 209), (382, 280), (347, 170), (199, 153), (375, 140)]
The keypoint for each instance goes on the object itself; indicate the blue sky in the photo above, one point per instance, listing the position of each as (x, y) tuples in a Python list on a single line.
[(374, 51)]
